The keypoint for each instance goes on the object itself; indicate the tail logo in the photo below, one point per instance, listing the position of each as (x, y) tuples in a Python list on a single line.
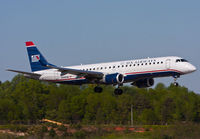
[(35, 58)]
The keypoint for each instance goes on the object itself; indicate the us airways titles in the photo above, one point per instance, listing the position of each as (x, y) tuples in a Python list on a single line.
[(140, 61)]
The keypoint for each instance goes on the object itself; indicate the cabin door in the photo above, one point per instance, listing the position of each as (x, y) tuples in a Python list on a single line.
[(168, 63)]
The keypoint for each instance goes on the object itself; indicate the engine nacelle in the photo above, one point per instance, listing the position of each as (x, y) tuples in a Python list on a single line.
[(144, 83), (115, 78)]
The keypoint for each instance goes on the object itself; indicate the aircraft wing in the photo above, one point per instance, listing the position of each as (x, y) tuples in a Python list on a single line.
[(87, 74), (26, 73)]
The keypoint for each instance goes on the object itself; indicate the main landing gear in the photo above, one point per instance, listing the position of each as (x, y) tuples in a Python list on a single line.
[(98, 89), (117, 91), (175, 80)]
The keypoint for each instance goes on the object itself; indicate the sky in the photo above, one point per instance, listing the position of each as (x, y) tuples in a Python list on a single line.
[(73, 32)]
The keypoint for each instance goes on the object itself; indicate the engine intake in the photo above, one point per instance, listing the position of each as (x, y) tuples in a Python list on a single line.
[(144, 83), (115, 78)]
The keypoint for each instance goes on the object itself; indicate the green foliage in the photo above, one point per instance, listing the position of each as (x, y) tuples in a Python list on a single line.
[(76, 126), (6, 136), (79, 135), (178, 130), (44, 129), (52, 132), (62, 128), (27, 101), (15, 128), (37, 130)]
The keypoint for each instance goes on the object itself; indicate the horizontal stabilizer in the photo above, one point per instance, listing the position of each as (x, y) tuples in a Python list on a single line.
[(26, 73)]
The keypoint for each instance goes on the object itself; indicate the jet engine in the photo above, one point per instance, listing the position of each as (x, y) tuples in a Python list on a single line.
[(115, 78), (144, 83)]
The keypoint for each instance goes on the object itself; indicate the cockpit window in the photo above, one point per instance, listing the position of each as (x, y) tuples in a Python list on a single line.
[(181, 60), (184, 60)]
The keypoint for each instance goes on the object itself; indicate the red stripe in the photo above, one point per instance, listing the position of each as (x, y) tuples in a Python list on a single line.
[(67, 79), (153, 71), (125, 74)]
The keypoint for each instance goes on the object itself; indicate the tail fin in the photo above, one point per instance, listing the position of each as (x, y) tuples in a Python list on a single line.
[(36, 59)]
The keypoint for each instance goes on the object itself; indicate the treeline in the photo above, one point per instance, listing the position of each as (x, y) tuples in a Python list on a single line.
[(28, 101)]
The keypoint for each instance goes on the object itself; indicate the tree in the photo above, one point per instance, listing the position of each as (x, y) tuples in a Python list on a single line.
[(30, 100)]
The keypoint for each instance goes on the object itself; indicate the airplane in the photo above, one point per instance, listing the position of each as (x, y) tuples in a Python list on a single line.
[(139, 72)]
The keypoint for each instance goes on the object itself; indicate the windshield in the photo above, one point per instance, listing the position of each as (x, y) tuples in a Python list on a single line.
[(181, 60)]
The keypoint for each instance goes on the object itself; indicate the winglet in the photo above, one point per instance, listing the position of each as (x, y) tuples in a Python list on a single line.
[(29, 43)]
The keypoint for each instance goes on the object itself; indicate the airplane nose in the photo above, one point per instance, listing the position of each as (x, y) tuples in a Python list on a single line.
[(193, 68)]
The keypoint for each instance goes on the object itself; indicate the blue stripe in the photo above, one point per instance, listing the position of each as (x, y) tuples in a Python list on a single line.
[(128, 78), (134, 77)]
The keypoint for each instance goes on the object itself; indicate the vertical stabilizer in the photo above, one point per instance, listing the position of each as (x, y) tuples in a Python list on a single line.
[(35, 57)]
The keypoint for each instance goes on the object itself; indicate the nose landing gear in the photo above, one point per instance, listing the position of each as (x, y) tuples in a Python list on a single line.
[(176, 84), (175, 80)]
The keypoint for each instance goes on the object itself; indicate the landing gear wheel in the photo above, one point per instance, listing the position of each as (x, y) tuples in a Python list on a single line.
[(176, 84), (175, 78), (98, 89), (118, 91)]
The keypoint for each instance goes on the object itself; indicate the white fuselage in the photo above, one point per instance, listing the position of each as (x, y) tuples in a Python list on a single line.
[(131, 69)]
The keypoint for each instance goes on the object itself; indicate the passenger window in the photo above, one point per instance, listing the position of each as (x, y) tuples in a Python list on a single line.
[(157, 62), (93, 68), (161, 62), (118, 66)]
